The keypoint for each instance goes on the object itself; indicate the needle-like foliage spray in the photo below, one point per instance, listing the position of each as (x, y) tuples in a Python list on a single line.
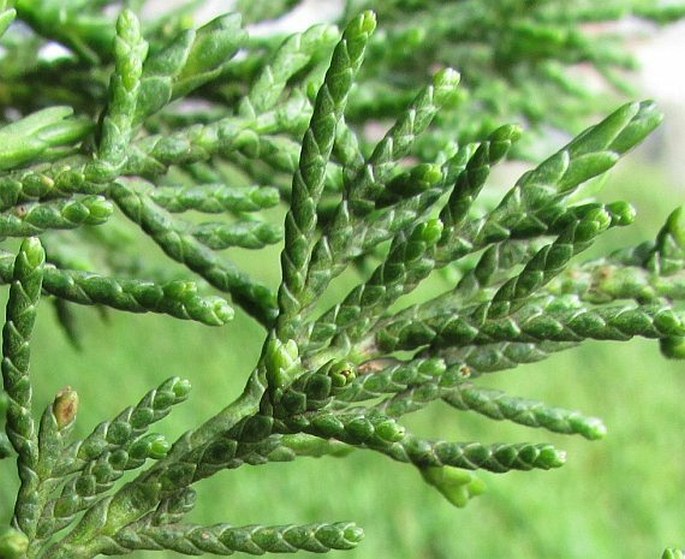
[(194, 137)]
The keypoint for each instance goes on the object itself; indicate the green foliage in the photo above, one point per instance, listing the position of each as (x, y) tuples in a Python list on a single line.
[(157, 125)]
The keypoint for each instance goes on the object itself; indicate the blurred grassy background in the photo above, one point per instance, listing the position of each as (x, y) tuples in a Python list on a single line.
[(617, 497)]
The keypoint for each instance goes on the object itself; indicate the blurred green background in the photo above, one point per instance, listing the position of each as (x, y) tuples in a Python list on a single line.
[(618, 497)]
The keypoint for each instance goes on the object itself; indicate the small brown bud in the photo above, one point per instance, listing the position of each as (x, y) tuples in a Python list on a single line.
[(65, 407)]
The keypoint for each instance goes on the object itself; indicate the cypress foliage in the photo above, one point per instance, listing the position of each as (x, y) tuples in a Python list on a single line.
[(194, 136)]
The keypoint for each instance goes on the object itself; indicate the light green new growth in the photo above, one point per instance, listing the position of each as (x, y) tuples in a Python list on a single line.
[(359, 153)]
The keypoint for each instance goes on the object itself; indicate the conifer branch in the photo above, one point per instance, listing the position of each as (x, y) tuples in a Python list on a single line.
[(168, 123), (308, 180), (114, 447), (118, 129), (223, 539), (338, 246), (473, 361), (182, 247), (293, 55), (24, 296), (215, 198), (33, 219), (498, 405), (377, 378), (408, 262), (59, 180), (179, 299), (535, 323), (245, 234), (192, 59), (33, 136)]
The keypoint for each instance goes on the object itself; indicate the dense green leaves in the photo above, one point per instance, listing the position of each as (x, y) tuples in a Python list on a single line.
[(308, 180), (130, 51), (253, 540), (498, 405), (193, 58), (204, 138), (21, 430), (31, 138)]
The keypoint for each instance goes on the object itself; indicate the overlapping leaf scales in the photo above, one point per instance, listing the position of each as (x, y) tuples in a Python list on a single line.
[(267, 122)]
